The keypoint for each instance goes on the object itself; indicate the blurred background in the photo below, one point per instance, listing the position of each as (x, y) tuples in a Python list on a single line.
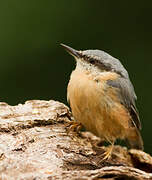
[(34, 66)]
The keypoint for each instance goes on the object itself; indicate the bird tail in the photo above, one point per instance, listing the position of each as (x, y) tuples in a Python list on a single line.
[(134, 139)]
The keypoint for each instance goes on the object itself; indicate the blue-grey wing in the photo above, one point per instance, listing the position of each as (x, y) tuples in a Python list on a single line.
[(127, 97)]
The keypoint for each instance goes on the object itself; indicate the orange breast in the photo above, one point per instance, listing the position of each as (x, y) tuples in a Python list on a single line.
[(96, 105)]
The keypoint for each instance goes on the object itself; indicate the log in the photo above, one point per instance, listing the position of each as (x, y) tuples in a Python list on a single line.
[(35, 144)]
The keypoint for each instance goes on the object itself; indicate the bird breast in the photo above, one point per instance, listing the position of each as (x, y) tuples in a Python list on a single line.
[(96, 105)]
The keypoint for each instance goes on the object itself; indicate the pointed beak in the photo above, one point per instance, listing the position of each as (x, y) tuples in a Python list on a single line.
[(71, 51)]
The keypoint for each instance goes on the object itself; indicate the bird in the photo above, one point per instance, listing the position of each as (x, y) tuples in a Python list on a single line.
[(102, 98)]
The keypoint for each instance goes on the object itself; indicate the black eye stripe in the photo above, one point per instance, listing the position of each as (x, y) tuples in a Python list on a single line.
[(99, 64), (92, 61)]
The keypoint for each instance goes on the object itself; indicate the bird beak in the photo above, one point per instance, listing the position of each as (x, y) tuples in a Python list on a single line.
[(71, 51)]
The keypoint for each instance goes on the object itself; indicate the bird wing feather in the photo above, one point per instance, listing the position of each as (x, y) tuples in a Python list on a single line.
[(127, 97)]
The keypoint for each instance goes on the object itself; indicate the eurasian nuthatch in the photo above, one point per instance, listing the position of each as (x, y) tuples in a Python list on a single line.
[(102, 98)]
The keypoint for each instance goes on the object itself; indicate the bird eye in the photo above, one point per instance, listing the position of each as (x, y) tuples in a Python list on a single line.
[(92, 61)]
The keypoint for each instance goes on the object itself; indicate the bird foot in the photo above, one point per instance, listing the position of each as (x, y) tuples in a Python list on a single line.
[(74, 126), (107, 153)]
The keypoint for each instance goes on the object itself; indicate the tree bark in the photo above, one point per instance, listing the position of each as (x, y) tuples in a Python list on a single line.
[(35, 143)]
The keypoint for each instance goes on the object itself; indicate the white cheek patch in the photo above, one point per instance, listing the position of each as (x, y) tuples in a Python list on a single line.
[(84, 65)]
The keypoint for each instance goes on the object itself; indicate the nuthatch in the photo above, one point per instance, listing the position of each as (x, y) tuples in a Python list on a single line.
[(102, 98)]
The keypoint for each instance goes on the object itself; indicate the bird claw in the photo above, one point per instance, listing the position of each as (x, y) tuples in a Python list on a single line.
[(107, 154), (73, 126)]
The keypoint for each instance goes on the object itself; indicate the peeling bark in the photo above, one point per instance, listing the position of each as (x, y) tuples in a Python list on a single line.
[(34, 144)]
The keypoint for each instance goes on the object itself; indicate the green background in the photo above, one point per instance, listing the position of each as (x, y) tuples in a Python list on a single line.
[(34, 66)]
